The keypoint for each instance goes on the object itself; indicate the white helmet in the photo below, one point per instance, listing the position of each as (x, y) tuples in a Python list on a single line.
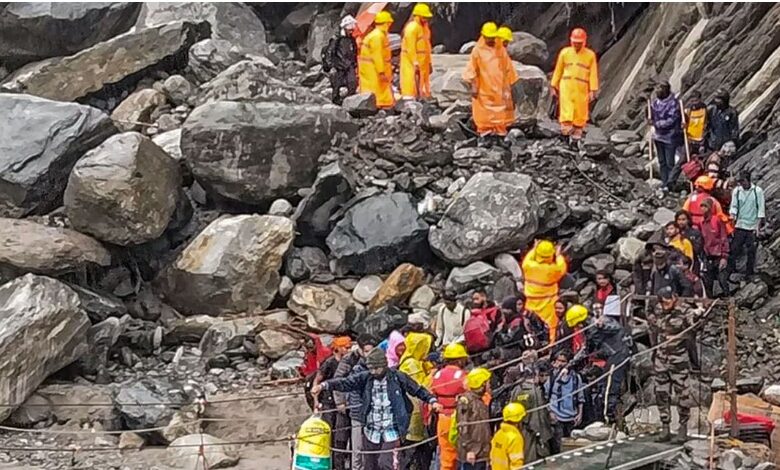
[(348, 21)]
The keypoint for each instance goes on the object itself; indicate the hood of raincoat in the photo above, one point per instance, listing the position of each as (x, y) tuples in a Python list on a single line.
[(395, 339), (418, 345)]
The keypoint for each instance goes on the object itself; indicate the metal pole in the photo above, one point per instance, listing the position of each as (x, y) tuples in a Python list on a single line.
[(732, 369)]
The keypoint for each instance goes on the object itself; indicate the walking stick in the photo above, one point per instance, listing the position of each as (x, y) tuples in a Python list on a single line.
[(650, 137), (685, 137)]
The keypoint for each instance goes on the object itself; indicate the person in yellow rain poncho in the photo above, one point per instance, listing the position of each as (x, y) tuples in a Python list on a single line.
[(416, 54), (413, 363), (375, 70), (576, 82), (490, 75), (543, 268), (504, 38), (507, 446)]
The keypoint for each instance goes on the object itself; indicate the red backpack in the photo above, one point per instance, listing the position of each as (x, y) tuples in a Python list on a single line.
[(476, 332)]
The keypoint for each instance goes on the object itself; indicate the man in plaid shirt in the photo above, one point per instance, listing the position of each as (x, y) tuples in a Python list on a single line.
[(385, 409)]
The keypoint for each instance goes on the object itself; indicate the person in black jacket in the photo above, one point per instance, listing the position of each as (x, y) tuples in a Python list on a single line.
[(385, 410), (608, 341), (723, 124), (339, 59)]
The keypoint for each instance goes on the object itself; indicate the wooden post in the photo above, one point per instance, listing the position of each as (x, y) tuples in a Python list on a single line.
[(732, 369)]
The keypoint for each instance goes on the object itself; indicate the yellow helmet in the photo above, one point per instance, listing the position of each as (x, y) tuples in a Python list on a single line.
[(513, 412), (383, 17), (504, 33), (489, 30), (454, 351), (422, 9), (576, 315), (477, 378), (545, 249)]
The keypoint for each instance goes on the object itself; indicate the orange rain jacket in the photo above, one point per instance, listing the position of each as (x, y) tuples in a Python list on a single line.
[(576, 74), (493, 74), (510, 102), (416, 51), (540, 286), (374, 67)]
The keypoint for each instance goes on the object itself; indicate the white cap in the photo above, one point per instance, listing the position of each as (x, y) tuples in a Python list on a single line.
[(348, 21)]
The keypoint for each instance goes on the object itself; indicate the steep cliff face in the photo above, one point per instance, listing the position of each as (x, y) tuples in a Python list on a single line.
[(697, 47)]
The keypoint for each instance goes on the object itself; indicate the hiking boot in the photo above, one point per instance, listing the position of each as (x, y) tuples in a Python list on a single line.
[(665, 435), (682, 434), (574, 144), (483, 141)]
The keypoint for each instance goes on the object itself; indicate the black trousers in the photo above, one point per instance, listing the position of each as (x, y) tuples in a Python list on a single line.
[(713, 273), (343, 78), (341, 431), (665, 153), (744, 242), (383, 461)]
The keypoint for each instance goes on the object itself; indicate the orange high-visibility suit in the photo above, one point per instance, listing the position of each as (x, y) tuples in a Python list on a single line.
[(416, 56), (374, 68), (510, 101), (576, 75), (692, 206), (448, 383), (541, 276), (493, 75)]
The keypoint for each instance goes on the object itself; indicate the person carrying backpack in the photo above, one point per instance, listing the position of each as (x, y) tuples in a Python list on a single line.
[(748, 210), (484, 320), (339, 60)]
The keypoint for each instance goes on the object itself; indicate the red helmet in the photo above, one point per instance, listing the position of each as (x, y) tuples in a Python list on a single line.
[(578, 35)]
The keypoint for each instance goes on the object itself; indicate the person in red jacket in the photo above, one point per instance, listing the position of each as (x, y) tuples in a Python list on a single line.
[(716, 249), (481, 305), (447, 384)]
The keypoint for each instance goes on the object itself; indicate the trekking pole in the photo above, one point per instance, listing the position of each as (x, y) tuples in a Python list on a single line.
[(650, 137)]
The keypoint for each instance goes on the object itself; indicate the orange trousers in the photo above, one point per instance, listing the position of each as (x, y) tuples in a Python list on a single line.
[(447, 452)]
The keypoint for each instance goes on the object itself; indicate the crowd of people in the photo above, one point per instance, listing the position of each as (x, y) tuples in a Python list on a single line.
[(362, 60)]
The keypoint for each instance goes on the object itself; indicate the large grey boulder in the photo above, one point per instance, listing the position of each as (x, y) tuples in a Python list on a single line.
[(476, 274), (252, 152), (528, 49), (327, 308), (78, 75), (44, 330), (208, 58), (253, 80), (322, 28), (335, 184), (142, 404), (41, 142), (231, 21), (124, 191), (232, 266), (493, 213), (31, 31), (379, 233), (593, 238), (26, 246)]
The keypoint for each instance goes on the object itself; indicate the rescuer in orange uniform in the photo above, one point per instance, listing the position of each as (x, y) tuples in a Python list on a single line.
[(374, 68), (702, 190), (575, 82), (416, 54), (543, 268), (448, 383), (491, 75), (504, 38)]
